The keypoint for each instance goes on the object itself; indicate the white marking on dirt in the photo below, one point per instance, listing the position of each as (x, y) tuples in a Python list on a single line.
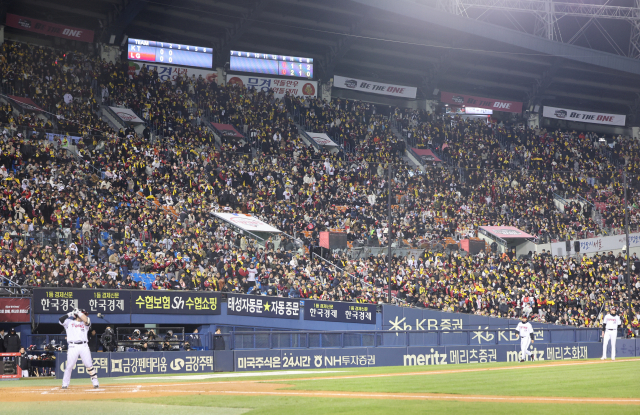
[(102, 389), (236, 375)]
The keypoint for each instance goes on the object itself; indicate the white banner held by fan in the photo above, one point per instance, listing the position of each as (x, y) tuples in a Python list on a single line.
[(126, 115)]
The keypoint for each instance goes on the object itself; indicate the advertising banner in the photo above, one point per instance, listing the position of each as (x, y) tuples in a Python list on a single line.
[(477, 111), (133, 363), (426, 155), (47, 28), (584, 116), (176, 302), (15, 310), (147, 363), (263, 306), (599, 244), (339, 312), (481, 102), (26, 103), (126, 115), (506, 232), (249, 360), (171, 73), (117, 364), (280, 87), (322, 139), (227, 130), (100, 362), (468, 110), (61, 300), (374, 87), (246, 222)]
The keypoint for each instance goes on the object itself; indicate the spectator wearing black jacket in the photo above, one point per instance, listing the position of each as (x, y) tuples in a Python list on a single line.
[(93, 341), (218, 341), (12, 342)]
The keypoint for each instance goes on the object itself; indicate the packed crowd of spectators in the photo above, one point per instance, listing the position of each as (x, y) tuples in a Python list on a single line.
[(127, 203)]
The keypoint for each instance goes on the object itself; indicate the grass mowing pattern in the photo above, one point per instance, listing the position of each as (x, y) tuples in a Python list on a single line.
[(611, 380), (598, 380), (268, 405)]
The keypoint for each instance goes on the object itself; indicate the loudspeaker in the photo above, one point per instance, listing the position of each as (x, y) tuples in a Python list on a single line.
[(576, 246), (568, 246), (333, 240), (8, 367)]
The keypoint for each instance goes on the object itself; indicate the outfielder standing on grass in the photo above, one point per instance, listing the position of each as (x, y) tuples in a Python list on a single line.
[(526, 338), (610, 325), (77, 323)]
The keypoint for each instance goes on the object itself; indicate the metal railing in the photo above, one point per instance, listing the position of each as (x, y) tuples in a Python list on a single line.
[(9, 287), (196, 340)]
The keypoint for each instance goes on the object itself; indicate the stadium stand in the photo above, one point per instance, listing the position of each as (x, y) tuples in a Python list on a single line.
[(127, 209)]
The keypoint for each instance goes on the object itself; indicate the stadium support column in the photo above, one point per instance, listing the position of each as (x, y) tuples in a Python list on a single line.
[(634, 40), (389, 228), (626, 232)]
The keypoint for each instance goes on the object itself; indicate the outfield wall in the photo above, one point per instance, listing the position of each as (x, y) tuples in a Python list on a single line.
[(195, 362)]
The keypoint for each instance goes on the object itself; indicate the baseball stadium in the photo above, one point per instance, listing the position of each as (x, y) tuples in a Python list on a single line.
[(335, 206)]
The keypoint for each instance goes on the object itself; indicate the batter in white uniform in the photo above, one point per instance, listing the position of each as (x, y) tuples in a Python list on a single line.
[(526, 338), (77, 323), (610, 332)]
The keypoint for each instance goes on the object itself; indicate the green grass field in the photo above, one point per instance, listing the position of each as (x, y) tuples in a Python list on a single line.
[(613, 381)]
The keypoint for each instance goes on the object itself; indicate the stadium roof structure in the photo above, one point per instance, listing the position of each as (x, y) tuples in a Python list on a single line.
[(405, 42)]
